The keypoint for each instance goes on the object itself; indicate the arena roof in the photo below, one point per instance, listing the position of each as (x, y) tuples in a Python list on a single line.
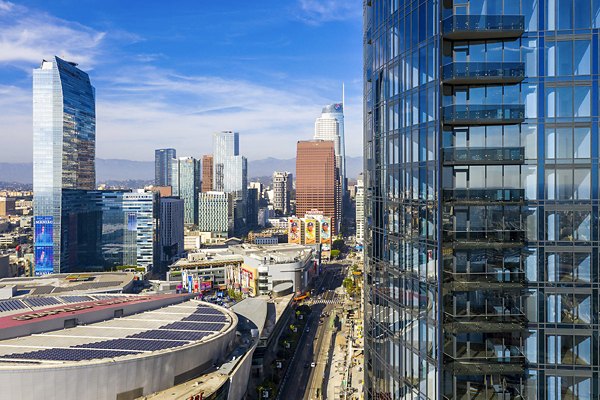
[(70, 283), (159, 330)]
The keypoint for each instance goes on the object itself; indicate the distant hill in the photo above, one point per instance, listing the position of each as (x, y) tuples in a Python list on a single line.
[(124, 170)]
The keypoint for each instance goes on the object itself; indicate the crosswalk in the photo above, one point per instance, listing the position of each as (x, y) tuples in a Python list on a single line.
[(310, 302)]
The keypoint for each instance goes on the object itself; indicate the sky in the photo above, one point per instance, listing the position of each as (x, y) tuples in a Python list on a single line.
[(170, 73)]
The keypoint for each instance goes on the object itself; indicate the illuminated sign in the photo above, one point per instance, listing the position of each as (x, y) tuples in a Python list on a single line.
[(43, 245)]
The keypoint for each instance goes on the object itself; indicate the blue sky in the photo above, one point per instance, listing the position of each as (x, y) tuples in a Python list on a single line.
[(169, 73)]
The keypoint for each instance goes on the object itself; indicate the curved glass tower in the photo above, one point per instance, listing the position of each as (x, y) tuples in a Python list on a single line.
[(64, 151), (481, 185)]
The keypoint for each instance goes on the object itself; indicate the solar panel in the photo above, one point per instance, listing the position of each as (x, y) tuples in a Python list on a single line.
[(133, 344), (75, 299), (170, 335), (41, 301), (12, 305), (205, 318), (195, 326), (70, 354), (208, 310)]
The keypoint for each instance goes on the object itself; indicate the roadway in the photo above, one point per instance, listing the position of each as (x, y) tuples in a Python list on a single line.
[(302, 380)]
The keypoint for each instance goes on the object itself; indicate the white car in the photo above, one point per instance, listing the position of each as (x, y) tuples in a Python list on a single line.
[(313, 364)]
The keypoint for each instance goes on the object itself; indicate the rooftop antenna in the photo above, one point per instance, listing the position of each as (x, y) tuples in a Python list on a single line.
[(343, 96)]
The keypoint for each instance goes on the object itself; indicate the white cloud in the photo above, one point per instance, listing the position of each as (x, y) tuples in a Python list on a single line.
[(153, 108), (28, 35), (140, 107), (320, 11)]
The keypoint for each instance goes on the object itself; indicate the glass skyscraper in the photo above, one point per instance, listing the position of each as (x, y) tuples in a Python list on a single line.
[(481, 186), (64, 143), (230, 173), (330, 126), (163, 166), (186, 185)]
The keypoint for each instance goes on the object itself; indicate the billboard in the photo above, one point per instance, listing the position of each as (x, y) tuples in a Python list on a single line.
[(44, 227), (325, 232), (294, 230), (43, 245), (310, 233), (44, 259)]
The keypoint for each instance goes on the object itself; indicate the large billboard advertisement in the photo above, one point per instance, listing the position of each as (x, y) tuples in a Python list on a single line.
[(294, 230), (310, 233), (325, 231), (43, 245)]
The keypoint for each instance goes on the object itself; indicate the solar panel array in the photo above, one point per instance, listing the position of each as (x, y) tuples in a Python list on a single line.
[(41, 301), (11, 305), (194, 326), (203, 322), (69, 354), (171, 335), (75, 299), (133, 344), (205, 318)]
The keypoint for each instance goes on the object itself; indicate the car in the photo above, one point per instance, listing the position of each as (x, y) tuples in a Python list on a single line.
[(313, 364), (307, 330)]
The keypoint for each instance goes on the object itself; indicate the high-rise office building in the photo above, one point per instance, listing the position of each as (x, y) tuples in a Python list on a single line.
[(481, 185), (64, 150), (282, 191), (230, 169), (163, 166), (207, 173), (317, 186), (186, 186), (252, 203), (170, 229), (231, 173), (216, 213), (330, 126), (359, 198)]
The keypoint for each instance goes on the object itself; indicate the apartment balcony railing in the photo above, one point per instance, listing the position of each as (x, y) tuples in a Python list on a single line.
[(484, 114), (477, 196), (465, 73), (484, 236), (483, 155), (477, 27), (500, 279)]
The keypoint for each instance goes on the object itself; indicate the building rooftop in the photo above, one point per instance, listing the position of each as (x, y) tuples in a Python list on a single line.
[(139, 335), (70, 283)]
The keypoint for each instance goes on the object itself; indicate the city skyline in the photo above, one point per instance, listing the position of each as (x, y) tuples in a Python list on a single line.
[(258, 79)]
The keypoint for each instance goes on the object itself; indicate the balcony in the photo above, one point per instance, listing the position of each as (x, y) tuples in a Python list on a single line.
[(493, 238), (485, 319), (484, 114), (477, 73), (498, 279), (483, 155), (478, 27), (483, 196), (462, 390)]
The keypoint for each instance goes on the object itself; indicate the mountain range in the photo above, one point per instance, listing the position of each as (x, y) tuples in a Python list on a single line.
[(123, 170)]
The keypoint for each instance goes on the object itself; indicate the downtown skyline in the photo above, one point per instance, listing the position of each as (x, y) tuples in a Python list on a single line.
[(159, 88)]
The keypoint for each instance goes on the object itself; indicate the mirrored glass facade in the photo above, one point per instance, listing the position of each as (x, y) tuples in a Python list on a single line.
[(481, 186), (64, 143)]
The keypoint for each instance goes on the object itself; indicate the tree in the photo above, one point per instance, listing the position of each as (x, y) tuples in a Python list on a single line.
[(338, 244), (335, 253)]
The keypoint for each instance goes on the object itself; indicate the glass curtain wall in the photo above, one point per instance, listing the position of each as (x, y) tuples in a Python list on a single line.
[(482, 115)]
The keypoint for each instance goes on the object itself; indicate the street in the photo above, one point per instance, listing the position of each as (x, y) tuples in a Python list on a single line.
[(303, 380)]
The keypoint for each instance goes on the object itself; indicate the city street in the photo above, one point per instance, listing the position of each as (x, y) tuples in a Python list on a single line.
[(303, 380)]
